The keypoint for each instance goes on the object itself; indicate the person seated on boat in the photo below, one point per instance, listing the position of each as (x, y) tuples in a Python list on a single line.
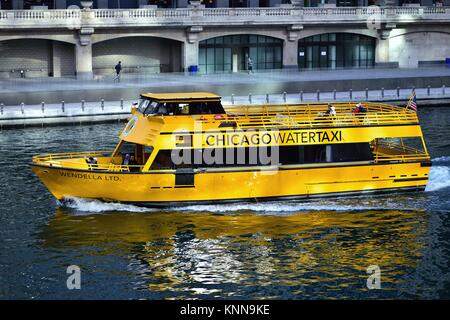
[(92, 163), (331, 111), (126, 159), (133, 164), (359, 109)]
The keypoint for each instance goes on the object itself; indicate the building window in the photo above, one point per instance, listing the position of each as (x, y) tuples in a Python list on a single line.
[(163, 3), (27, 4), (347, 3), (336, 50), (238, 3), (6, 4), (223, 54)]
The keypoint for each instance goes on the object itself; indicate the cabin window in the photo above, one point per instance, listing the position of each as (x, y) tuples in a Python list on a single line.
[(351, 152), (163, 161), (139, 152), (254, 156), (148, 107)]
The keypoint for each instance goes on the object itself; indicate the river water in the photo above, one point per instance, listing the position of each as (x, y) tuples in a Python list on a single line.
[(286, 250)]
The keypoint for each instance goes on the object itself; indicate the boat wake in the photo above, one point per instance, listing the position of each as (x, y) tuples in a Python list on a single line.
[(95, 206), (439, 179)]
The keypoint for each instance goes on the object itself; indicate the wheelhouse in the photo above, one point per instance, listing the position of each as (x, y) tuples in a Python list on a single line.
[(175, 105)]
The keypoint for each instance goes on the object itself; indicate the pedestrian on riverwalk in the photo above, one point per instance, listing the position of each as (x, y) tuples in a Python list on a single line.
[(118, 68), (250, 65)]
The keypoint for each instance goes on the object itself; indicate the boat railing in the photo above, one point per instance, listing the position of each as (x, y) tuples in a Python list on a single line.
[(63, 160), (315, 115), (401, 158)]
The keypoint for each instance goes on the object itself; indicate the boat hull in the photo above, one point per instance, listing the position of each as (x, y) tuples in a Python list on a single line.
[(223, 186)]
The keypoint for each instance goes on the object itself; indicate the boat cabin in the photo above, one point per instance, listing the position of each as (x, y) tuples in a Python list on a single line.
[(169, 104)]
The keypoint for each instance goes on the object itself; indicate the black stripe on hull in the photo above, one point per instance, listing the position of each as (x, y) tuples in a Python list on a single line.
[(255, 200)]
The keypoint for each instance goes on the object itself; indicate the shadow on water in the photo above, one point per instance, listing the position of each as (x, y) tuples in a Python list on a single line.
[(301, 255)]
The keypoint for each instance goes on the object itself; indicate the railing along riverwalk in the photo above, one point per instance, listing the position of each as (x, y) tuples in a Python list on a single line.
[(312, 115)]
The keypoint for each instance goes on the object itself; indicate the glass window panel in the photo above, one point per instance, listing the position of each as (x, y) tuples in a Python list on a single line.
[(227, 39), (269, 54), (277, 55), (316, 38), (269, 39), (237, 39), (219, 40), (202, 56), (309, 54), (356, 55), (348, 57), (219, 56), (324, 37), (261, 39), (253, 39), (316, 57), (332, 36), (332, 56), (370, 52), (261, 55), (210, 56), (253, 52), (244, 39), (363, 52), (227, 55)]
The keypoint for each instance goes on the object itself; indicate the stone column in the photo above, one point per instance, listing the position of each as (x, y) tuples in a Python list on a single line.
[(290, 52), (382, 52), (190, 47), (189, 55), (56, 59), (382, 58), (290, 46), (83, 54)]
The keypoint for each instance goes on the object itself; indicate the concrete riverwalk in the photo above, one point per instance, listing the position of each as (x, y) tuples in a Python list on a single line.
[(106, 111), (54, 90)]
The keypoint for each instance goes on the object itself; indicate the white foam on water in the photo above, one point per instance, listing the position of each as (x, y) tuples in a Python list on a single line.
[(284, 207), (92, 205), (439, 178), (441, 159)]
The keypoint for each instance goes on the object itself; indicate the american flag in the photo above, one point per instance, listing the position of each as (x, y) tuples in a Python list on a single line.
[(412, 102)]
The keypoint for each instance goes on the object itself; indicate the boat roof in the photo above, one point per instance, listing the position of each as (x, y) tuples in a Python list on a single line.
[(183, 96)]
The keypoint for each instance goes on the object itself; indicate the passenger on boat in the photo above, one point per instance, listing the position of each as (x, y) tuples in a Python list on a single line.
[(359, 109), (133, 164), (92, 163), (331, 110), (126, 160)]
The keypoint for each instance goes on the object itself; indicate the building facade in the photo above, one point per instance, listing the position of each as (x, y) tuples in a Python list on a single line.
[(217, 36)]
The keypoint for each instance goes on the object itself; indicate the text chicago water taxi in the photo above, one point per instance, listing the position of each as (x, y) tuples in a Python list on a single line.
[(183, 148)]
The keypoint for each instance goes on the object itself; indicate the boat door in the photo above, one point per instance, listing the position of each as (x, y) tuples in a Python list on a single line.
[(184, 178)]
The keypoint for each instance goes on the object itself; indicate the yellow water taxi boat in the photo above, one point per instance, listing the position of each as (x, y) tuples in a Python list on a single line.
[(184, 148)]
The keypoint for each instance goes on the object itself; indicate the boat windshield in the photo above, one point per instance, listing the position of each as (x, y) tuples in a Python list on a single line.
[(152, 107), (147, 106)]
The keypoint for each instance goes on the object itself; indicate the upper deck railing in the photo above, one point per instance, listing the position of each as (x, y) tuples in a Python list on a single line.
[(74, 19), (314, 115)]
